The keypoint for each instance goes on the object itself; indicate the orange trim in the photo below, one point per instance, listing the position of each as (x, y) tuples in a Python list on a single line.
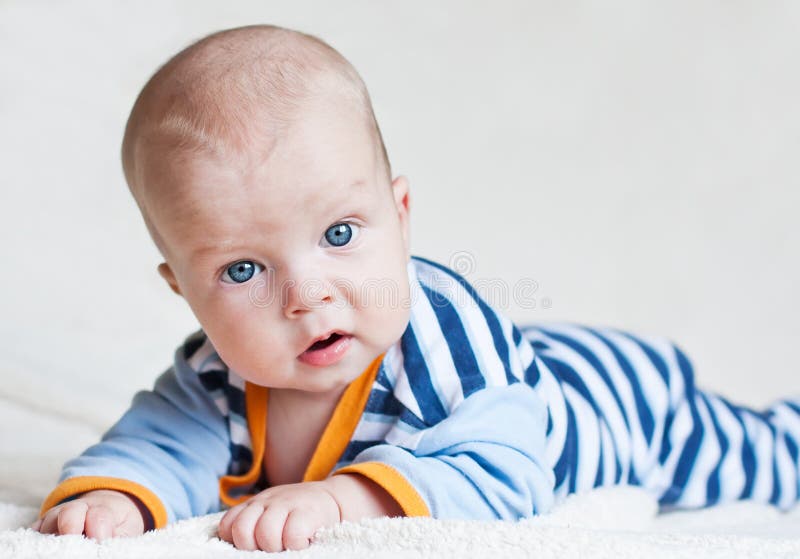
[(331, 445), (343, 423), (75, 486), (394, 483)]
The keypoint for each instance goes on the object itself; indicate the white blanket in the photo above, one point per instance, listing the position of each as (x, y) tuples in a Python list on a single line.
[(616, 522)]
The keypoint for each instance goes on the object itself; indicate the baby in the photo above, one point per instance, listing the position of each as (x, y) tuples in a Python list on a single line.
[(335, 377)]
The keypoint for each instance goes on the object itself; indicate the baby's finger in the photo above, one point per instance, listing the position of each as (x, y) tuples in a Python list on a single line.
[(49, 523), (36, 524), (63, 519), (224, 528), (269, 529), (244, 525), (99, 523), (298, 530), (71, 517)]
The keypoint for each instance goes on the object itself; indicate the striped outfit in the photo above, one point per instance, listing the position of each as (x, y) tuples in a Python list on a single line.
[(466, 416)]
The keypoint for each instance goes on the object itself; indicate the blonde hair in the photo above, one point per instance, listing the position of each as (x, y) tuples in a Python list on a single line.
[(239, 84)]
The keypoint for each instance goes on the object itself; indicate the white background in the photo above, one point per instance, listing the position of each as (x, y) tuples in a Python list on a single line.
[(638, 160)]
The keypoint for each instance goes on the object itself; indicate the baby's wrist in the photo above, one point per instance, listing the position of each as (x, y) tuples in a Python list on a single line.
[(147, 518), (359, 497)]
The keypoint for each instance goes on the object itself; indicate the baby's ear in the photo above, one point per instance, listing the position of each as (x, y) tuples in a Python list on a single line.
[(401, 202), (166, 272)]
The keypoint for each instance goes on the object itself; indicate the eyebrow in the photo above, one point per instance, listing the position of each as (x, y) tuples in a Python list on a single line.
[(217, 248), (358, 184), (329, 205)]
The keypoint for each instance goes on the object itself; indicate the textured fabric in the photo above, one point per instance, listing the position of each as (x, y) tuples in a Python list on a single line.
[(484, 419), (608, 523)]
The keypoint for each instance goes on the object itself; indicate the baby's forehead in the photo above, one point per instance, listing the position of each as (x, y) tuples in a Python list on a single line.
[(314, 162), (325, 141)]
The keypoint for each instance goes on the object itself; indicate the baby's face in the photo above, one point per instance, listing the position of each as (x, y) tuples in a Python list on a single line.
[(293, 256)]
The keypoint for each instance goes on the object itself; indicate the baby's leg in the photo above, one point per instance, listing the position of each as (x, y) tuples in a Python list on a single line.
[(635, 416), (715, 451)]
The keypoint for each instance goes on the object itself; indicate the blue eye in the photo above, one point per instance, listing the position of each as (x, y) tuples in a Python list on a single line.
[(241, 271), (340, 234)]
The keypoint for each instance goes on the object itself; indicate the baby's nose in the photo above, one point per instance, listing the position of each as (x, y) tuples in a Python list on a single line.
[(303, 296)]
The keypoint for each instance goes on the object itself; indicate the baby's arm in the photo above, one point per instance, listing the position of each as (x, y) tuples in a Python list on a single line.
[(98, 514), (168, 451), (486, 460)]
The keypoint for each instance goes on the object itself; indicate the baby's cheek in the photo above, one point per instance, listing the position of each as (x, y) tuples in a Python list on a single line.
[(383, 287), (387, 322), (250, 351)]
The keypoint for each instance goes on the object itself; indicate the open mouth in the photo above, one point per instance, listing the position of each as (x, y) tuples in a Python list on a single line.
[(322, 344)]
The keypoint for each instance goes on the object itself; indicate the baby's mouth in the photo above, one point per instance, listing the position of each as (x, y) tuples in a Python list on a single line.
[(326, 351)]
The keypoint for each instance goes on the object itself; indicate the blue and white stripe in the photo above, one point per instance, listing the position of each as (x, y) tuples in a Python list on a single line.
[(227, 390)]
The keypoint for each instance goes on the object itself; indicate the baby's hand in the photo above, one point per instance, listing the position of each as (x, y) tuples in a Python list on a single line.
[(99, 514), (282, 517)]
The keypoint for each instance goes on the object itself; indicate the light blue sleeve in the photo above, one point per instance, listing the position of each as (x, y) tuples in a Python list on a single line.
[(485, 461), (173, 440)]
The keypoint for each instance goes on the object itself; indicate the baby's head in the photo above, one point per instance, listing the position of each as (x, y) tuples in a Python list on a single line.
[(259, 169)]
